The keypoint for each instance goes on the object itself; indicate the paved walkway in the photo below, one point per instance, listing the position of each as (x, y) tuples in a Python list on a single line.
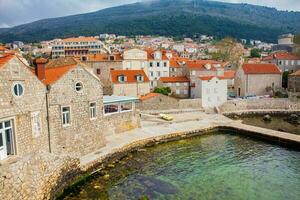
[(183, 122)]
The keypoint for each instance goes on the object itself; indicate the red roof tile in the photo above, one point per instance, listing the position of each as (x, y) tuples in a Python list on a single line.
[(130, 75), (148, 96), (55, 73), (200, 64), (208, 78), (176, 79), (260, 68), (229, 74), (81, 39), (281, 56), (5, 59)]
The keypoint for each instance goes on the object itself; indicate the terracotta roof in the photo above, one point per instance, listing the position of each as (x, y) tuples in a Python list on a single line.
[(174, 79), (63, 61), (296, 73), (175, 61), (130, 75), (2, 48), (5, 59), (55, 73), (148, 96), (281, 56), (81, 39), (150, 54), (229, 74), (208, 78), (260, 68), (200, 64), (104, 57)]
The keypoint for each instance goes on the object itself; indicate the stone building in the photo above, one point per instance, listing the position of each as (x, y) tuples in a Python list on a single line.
[(212, 90), (177, 66), (75, 106), (284, 60), (257, 79), (294, 82), (101, 65), (130, 83), (23, 125), (179, 85)]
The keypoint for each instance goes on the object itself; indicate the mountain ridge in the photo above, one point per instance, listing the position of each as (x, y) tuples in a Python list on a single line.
[(168, 18)]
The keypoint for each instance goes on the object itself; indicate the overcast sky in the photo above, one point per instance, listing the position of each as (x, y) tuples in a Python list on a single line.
[(15, 12)]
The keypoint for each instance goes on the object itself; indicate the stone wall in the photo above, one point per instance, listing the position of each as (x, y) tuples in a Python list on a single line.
[(121, 122), (37, 176), (162, 102), (259, 104), (83, 135)]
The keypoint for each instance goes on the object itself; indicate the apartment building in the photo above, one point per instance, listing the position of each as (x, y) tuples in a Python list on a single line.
[(180, 85), (130, 83), (79, 46)]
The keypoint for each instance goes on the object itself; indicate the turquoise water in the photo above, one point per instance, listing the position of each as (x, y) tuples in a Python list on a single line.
[(214, 166)]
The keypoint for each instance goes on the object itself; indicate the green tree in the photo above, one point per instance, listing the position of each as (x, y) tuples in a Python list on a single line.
[(163, 90), (285, 76), (255, 53)]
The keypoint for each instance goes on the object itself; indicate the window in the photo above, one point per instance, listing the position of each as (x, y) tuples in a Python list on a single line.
[(126, 107), (165, 64), (158, 74), (98, 71), (177, 91), (111, 108), (186, 84), (121, 79), (143, 65), (170, 84), (78, 86), (286, 62), (158, 64), (66, 115), (18, 90), (185, 92), (151, 74), (139, 78), (151, 64), (93, 110), (292, 62), (177, 84), (36, 123)]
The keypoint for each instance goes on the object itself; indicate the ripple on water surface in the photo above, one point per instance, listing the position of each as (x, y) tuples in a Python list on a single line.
[(215, 166)]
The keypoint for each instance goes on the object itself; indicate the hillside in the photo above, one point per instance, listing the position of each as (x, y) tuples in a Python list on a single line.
[(165, 17)]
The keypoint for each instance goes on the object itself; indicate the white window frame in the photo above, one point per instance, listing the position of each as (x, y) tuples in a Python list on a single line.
[(93, 115), (13, 90), (36, 123), (62, 116), (177, 91), (78, 82)]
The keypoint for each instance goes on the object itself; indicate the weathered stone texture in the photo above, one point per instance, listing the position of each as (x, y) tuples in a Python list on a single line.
[(19, 109), (36, 176), (83, 135)]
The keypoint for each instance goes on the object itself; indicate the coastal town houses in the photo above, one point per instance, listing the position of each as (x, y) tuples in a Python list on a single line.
[(196, 68), (79, 46), (135, 59), (177, 66), (130, 83), (257, 79), (294, 81), (212, 90), (284, 60), (158, 66), (101, 65), (179, 85), (75, 104), (23, 126)]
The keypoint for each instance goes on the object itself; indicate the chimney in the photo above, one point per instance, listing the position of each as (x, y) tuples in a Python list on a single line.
[(40, 68)]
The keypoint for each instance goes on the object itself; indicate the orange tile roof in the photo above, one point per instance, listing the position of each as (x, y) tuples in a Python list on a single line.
[(200, 64), (296, 73), (148, 96), (150, 54), (80, 39), (176, 79), (2, 48), (5, 59), (130, 75), (208, 78), (260, 68), (55, 73), (281, 56), (175, 61), (229, 74), (104, 57)]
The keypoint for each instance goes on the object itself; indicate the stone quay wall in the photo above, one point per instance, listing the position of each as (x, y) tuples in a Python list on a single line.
[(37, 176), (162, 102), (238, 106)]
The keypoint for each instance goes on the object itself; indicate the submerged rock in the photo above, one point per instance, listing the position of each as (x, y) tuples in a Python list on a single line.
[(157, 185), (293, 119), (267, 118)]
